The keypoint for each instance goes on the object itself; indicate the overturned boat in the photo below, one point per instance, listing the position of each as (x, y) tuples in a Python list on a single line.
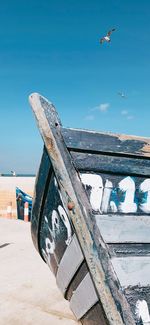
[(91, 219)]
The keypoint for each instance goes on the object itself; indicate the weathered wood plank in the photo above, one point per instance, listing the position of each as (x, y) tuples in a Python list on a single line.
[(40, 190), (110, 164), (69, 264), (133, 270), (84, 297), (106, 142), (124, 229), (76, 280), (129, 249), (95, 316)]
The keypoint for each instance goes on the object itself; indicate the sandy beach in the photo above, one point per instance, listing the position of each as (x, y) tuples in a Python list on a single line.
[(28, 293), (8, 192)]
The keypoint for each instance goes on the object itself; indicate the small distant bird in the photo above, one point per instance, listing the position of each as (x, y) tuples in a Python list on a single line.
[(13, 173), (121, 94), (107, 37)]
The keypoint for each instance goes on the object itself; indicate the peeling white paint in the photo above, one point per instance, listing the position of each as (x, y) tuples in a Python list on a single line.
[(127, 185), (55, 182), (96, 183), (45, 218), (64, 218), (106, 195), (145, 189), (142, 312), (113, 207), (50, 244), (55, 223)]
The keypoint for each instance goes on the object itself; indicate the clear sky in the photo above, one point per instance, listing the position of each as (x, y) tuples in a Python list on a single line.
[(52, 47)]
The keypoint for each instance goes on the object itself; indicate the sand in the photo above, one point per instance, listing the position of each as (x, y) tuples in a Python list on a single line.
[(8, 186), (28, 293)]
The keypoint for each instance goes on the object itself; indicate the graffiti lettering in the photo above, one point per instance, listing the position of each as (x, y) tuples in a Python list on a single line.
[(127, 186), (124, 197), (96, 183), (64, 218), (55, 229), (50, 244)]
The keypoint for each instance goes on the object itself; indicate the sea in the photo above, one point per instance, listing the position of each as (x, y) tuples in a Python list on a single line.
[(18, 175)]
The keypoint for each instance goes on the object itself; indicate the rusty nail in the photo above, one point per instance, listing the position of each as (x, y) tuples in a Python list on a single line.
[(70, 205)]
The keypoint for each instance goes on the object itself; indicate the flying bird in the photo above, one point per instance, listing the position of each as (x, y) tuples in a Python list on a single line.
[(107, 37), (122, 94), (13, 173)]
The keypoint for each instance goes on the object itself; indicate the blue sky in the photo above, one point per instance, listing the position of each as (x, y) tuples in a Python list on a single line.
[(52, 47)]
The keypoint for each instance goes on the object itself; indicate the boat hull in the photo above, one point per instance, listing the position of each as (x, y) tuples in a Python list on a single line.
[(90, 219)]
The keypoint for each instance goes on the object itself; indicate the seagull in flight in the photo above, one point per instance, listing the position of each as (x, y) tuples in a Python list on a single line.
[(122, 94), (13, 173), (107, 37)]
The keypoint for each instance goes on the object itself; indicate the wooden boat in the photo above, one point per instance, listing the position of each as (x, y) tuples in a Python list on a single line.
[(21, 199), (91, 219)]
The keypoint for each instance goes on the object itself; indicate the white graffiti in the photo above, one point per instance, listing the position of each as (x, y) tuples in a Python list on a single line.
[(102, 200), (145, 187), (142, 312), (127, 185), (55, 229), (96, 183), (50, 244), (55, 222), (66, 222)]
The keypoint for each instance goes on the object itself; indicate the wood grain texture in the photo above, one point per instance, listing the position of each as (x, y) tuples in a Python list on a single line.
[(84, 297), (85, 161), (124, 229), (129, 249), (91, 141), (95, 316), (133, 270), (69, 264), (41, 186), (77, 279)]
